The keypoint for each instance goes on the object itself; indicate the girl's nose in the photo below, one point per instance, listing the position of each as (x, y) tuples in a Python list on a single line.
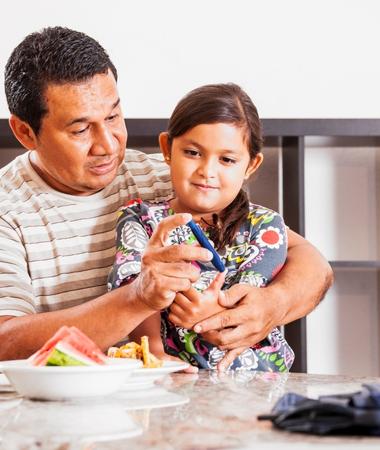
[(207, 169)]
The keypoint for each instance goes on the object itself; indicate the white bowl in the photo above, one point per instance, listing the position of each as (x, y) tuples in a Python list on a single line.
[(61, 383)]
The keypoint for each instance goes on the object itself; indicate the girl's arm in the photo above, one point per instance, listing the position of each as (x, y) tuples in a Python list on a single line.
[(150, 327)]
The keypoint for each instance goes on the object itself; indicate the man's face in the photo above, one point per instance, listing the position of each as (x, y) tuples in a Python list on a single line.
[(83, 136)]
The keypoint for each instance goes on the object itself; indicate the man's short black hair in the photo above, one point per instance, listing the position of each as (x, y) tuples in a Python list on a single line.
[(54, 55)]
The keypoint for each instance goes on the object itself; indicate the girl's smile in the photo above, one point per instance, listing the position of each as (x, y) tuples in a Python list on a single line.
[(205, 187)]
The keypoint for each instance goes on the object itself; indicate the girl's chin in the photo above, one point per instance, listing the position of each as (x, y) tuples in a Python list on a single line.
[(203, 211), (196, 208)]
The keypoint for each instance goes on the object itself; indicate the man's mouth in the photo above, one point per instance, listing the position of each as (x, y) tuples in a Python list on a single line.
[(103, 168)]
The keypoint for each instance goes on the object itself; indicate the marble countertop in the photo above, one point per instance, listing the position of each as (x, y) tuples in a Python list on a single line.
[(182, 412)]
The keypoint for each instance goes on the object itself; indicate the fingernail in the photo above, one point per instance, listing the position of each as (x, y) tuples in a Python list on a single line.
[(209, 255), (197, 328), (187, 217)]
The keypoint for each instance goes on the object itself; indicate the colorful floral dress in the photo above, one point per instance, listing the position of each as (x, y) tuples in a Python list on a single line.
[(256, 255)]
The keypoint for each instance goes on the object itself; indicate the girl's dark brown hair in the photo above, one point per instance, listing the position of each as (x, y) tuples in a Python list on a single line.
[(221, 103)]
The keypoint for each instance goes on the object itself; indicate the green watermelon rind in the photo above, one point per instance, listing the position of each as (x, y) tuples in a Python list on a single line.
[(59, 358)]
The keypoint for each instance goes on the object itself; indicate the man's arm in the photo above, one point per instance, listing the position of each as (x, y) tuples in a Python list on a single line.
[(295, 291), (106, 320), (165, 270)]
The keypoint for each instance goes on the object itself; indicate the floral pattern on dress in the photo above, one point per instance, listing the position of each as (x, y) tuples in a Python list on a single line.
[(255, 256)]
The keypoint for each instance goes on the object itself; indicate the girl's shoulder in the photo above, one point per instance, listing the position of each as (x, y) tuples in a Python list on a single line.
[(260, 216), (259, 211)]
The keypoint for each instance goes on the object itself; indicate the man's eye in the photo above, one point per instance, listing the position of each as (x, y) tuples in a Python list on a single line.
[(113, 117), (81, 131)]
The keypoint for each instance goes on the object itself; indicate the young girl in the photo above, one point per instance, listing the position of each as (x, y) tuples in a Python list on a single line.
[(213, 145)]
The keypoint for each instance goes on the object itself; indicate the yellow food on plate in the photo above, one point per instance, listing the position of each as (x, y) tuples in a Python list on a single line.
[(136, 351)]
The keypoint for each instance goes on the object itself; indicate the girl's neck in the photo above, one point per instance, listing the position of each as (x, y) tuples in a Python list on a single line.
[(198, 217)]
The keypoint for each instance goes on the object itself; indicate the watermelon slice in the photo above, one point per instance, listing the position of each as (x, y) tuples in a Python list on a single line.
[(68, 347)]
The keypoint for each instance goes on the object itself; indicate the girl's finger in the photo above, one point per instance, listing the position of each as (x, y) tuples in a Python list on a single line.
[(178, 310), (182, 301), (229, 357), (176, 320), (217, 283)]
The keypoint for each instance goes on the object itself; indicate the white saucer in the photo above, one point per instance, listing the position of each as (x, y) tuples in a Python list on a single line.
[(143, 378)]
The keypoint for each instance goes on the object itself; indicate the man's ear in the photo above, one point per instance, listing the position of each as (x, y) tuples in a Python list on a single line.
[(163, 139), (23, 132), (254, 165)]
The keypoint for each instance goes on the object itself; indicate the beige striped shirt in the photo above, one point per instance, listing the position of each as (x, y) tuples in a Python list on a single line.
[(56, 249)]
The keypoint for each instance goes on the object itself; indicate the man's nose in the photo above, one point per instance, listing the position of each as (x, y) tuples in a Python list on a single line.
[(104, 142)]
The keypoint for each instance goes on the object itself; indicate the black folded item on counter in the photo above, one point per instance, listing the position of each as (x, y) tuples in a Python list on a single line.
[(350, 414)]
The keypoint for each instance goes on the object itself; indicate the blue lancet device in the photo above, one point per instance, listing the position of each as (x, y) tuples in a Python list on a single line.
[(204, 242)]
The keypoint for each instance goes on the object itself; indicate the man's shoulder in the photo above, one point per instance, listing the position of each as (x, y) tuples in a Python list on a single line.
[(18, 189), (136, 159), (14, 175), (147, 174)]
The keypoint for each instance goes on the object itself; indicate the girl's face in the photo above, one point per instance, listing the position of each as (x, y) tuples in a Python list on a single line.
[(209, 164)]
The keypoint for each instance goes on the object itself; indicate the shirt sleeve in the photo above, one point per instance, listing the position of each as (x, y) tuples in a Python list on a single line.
[(16, 291), (131, 240), (266, 248)]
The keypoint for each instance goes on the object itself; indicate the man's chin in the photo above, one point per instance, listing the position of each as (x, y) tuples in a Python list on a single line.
[(97, 185)]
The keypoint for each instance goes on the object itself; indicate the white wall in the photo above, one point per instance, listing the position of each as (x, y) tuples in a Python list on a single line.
[(296, 58), (342, 219)]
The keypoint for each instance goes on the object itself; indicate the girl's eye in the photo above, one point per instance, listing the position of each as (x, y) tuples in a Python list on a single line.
[(227, 160), (191, 152)]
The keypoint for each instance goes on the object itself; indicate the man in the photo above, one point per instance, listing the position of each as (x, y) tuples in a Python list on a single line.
[(58, 205)]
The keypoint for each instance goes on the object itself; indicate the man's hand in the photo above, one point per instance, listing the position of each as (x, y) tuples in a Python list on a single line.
[(250, 318), (167, 269), (193, 306)]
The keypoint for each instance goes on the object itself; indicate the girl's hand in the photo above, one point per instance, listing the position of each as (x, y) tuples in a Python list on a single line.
[(192, 306)]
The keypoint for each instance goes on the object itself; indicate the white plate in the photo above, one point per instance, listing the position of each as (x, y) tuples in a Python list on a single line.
[(61, 383), (143, 378)]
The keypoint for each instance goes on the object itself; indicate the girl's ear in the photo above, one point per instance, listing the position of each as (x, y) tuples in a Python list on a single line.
[(23, 132), (163, 140), (254, 165)]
